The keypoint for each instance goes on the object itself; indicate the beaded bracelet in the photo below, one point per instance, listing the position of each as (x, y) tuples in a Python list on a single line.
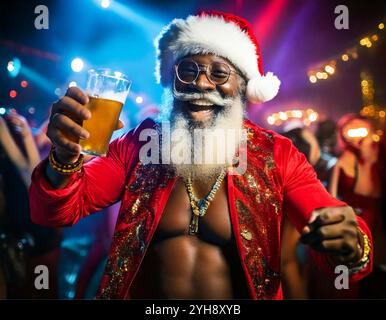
[(65, 168)]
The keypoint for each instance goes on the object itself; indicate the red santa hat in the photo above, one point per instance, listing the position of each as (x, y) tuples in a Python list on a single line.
[(218, 33)]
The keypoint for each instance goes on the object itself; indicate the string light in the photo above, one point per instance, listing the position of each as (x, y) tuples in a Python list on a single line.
[(345, 57), (313, 116), (283, 116), (376, 138), (271, 120), (306, 116), (367, 87), (329, 69), (364, 41), (297, 113), (325, 70)]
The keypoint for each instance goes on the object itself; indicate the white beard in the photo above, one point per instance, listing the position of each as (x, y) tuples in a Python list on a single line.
[(228, 120)]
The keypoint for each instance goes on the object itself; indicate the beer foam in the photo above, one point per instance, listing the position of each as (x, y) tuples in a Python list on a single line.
[(111, 95)]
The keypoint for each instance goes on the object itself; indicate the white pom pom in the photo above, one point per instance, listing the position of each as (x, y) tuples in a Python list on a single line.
[(262, 88)]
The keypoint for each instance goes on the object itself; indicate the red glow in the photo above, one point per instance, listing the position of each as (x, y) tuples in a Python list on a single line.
[(239, 4), (268, 18), (13, 94), (24, 84)]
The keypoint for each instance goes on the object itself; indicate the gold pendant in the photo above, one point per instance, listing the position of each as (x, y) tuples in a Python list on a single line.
[(193, 227), (200, 206)]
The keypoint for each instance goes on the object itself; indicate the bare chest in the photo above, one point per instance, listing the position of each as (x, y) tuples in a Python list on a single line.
[(177, 215)]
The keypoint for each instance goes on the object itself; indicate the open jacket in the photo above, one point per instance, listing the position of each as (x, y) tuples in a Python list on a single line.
[(278, 181)]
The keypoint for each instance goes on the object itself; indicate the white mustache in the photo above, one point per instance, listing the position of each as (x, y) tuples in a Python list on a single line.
[(212, 97)]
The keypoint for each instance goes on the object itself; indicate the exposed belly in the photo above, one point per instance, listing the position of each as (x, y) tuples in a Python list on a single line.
[(185, 267)]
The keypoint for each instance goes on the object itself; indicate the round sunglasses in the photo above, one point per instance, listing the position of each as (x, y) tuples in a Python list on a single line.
[(188, 70)]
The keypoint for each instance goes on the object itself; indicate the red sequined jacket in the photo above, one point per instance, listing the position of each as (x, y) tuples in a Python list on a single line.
[(278, 180)]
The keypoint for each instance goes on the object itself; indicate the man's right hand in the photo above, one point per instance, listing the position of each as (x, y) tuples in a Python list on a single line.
[(65, 124)]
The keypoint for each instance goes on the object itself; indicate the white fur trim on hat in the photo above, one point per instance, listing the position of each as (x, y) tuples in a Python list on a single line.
[(262, 88), (212, 34)]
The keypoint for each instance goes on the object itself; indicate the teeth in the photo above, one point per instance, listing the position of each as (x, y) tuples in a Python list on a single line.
[(201, 102)]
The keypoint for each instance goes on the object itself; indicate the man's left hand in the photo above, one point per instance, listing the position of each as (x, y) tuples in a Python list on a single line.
[(334, 230)]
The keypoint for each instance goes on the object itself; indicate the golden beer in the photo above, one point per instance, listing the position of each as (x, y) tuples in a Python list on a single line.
[(104, 119), (107, 91)]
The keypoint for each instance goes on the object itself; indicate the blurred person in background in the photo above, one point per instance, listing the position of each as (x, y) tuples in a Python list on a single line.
[(357, 180), (326, 134), (293, 252), (18, 143), (23, 245), (42, 141)]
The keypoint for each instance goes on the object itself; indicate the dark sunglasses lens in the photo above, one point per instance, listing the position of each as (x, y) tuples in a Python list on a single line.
[(219, 72), (187, 71)]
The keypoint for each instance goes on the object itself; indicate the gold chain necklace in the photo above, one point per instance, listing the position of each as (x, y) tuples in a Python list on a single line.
[(200, 206)]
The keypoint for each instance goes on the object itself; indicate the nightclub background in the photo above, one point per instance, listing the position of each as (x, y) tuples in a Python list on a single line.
[(325, 73)]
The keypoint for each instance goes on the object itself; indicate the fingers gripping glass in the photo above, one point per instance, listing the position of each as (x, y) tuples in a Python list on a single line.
[(218, 73)]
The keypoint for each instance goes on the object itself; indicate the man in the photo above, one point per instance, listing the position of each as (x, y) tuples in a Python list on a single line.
[(198, 231)]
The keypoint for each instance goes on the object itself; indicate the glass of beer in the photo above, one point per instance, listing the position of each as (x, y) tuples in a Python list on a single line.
[(107, 91)]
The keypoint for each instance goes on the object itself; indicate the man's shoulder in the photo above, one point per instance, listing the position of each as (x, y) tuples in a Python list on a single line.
[(147, 123)]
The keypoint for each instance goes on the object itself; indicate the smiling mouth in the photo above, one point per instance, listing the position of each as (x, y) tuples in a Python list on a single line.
[(200, 106)]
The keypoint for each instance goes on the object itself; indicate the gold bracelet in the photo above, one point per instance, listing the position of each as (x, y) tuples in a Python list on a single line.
[(65, 168), (364, 260), (366, 247)]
